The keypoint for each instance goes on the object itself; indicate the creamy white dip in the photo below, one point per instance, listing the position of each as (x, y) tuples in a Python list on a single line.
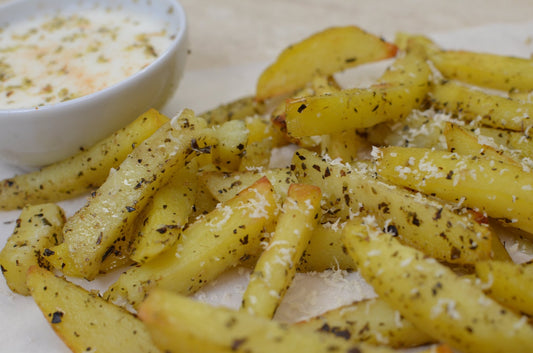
[(50, 59)]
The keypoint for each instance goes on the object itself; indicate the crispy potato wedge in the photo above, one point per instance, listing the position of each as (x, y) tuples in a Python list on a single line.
[(38, 227), (504, 191), (518, 143), (372, 321), (235, 110), (276, 266), (91, 232), (80, 173), (325, 251), (257, 155), (486, 70), (83, 320), (326, 52), (508, 283), (345, 145), (432, 296), (209, 246), (465, 142), (260, 128), (232, 146), (162, 221), (362, 107), (225, 186), (418, 129), (178, 324), (419, 221), (487, 109)]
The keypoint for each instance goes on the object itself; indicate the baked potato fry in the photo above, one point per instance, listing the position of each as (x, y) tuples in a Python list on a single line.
[(487, 109), (163, 219), (235, 110), (325, 251), (257, 155), (260, 128), (90, 233), (232, 144), (432, 296), (465, 142), (83, 320), (418, 220), (325, 53), (418, 129), (225, 186), (38, 227), (372, 321), (362, 107), (518, 143), (276, 266), (80, 173), (181, 324), (504, 191), (508, 283), (494, 71), (214, 243)]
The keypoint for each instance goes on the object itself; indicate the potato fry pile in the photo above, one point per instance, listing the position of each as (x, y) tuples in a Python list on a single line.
[(409, 181)]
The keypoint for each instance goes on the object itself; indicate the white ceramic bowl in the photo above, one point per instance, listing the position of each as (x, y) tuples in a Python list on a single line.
[(33, 137)]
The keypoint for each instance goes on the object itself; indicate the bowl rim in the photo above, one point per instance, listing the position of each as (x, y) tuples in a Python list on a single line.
[(180, 39)]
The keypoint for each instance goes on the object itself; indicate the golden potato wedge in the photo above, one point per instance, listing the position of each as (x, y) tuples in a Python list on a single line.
[(80, 173), (91, 232), (508, 283), (432, 296), (418, 129), (362, 107), (483, 69), (467, 143), (487, 109), (225, 186), (257, 155), (504, 191), (345, 145), (38, 227), (325, 251), (326, 52), (163, 219), (276, 266), (517, 143), (235, 110), (209, 246), (260, 128), (232, 145), (372, 321), (83, 320), (418, 220), (181, 324)]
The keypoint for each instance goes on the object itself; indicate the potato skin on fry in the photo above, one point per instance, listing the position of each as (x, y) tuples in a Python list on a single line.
[(91, 232), (504, 191), (276, 266), (372, 321), (420, 221), (83, 320), (38, 227), (326, 52), (80, 173), (228, 234), (401, 90), (181, 324), (432, 296)]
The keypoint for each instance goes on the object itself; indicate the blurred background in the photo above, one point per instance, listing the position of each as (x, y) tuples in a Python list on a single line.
[(235, 32)]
